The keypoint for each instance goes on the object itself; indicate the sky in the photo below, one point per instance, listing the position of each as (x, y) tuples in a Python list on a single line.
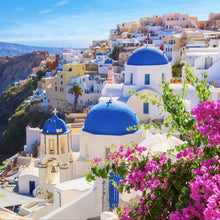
[(75, 23)]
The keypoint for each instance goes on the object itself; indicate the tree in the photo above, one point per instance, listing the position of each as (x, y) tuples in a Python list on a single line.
[(185, 188), (115, 52), (40, 74), (76, 91)]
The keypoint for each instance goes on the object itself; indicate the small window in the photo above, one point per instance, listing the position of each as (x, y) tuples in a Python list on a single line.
[(61, 76), (163, 78), (131, 78), (61, 82), (183, 18), (55, 88), (70, 69), (146, 108), (147, 79)]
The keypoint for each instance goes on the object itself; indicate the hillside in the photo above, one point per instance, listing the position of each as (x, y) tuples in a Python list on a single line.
[(10, 49), (15, 115), (19, 67)]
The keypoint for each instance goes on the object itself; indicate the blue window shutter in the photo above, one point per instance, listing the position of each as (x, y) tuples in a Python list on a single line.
[(163, 78), (146, 108), (147, 79), (131, 78)]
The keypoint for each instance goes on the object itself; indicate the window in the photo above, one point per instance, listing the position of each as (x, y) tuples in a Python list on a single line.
[(61, 82), (183, 18), (163, 78), (61, 76), (146, 108), (55, 88), (61, 89), (208, 62), (70, 69), (131, 78), (147, 79)]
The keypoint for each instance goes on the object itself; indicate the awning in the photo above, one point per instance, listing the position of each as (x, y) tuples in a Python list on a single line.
[(11, 199)]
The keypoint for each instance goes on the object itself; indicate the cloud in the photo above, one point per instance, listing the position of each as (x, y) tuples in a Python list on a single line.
[(72, 28), (45, 11), (19, 9), (60, 3)]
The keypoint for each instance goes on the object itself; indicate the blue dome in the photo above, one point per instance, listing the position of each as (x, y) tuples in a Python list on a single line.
[(147, 56), (54, 125), (108, 61), (100, 54), (110, 118)]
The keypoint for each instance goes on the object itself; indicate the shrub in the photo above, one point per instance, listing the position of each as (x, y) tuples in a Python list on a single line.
[(188, 188)]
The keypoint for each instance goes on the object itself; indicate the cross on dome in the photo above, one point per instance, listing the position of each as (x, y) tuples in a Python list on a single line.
[(55, 111), (109, 102)]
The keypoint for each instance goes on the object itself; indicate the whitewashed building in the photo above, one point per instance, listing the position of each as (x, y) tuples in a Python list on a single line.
[(204, 60), (91, 89)]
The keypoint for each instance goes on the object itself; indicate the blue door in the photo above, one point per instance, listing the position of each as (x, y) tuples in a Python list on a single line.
[(31, 187), (113, 192)]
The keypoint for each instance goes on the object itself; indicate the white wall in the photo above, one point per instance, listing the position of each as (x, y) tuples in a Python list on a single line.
[(139, 77), (137, 105), (75, 142), (32, 135), (81, 208), (23, 183), (97, 144)]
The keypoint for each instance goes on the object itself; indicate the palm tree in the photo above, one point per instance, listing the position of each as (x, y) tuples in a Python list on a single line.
[(76, 91)]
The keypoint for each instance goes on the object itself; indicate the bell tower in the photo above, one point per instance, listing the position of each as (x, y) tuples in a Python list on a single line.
[(56, 163)]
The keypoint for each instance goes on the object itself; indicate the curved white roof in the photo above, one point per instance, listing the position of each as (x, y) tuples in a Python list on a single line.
[(32, 171)]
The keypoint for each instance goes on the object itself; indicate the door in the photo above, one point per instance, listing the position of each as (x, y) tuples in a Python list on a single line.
[(208, 62), (31, 187)]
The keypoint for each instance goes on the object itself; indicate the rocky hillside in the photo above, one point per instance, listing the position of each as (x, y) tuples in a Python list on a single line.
[(18, 67), (9, 49)]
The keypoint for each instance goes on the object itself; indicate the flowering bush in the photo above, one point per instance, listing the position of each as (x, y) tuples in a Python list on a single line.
[(185, 188)]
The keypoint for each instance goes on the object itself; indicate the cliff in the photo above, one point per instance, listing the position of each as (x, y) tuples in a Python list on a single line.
[(18, 67)]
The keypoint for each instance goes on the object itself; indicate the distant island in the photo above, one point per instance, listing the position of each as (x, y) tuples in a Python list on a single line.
[(11, 49)]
